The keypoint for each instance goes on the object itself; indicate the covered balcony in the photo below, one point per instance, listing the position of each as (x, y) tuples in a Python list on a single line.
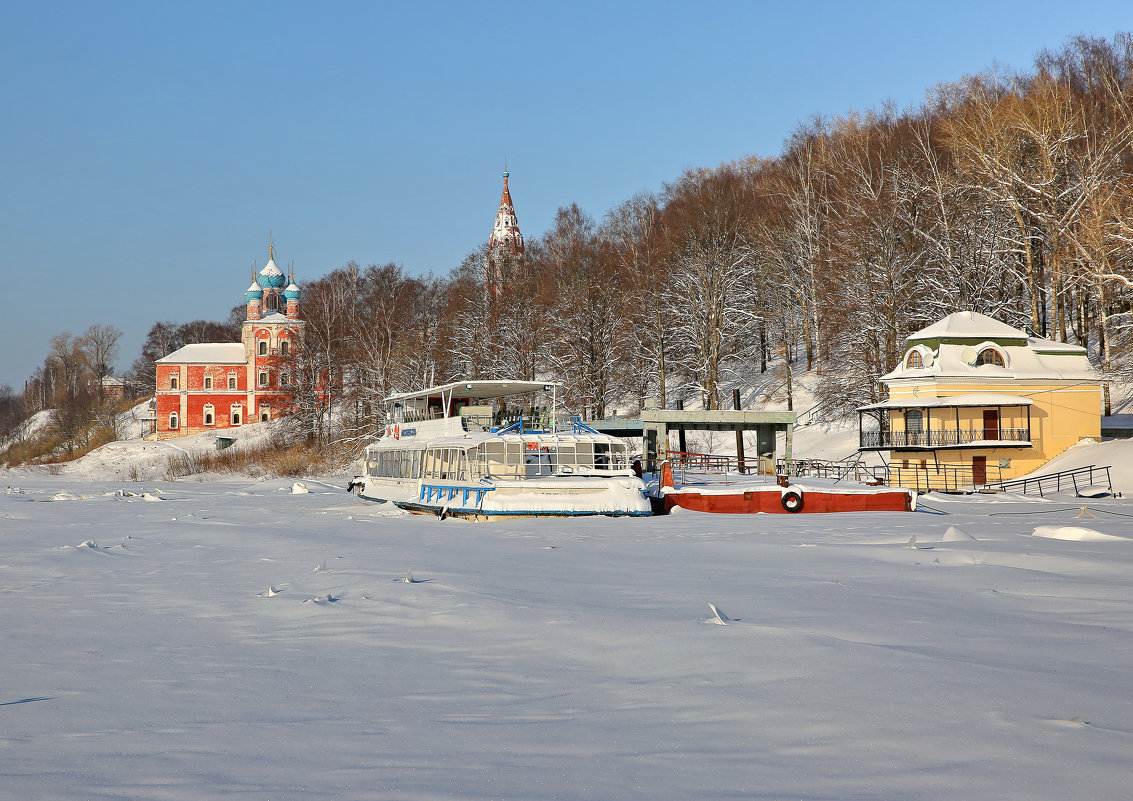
[(975, 420)]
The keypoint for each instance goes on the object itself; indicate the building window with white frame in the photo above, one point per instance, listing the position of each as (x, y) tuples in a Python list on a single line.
[(263, 378), (237, 411), (173, 422), (173, 382), (232, 380), (208, 382), (209, 414), (262, 347)]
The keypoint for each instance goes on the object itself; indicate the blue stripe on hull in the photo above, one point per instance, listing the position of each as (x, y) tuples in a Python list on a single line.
[(420, 508)]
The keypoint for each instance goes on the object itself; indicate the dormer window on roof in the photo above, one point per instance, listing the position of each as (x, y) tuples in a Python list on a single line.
[(990, 356)]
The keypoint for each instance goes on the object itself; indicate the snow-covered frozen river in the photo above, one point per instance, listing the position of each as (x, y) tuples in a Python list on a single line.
[(236, 638)]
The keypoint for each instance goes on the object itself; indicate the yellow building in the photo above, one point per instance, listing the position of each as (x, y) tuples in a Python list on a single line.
[(975, 401)]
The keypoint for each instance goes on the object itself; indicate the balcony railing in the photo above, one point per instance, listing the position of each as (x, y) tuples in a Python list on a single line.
[(943, 438)]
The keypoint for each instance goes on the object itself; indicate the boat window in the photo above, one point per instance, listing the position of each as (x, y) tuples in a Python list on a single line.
[(537, 460)]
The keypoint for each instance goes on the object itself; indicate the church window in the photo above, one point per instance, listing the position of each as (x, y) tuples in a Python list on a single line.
[(265, 413), (914, 359), (173, 422), (231, 381), (237, 409), (208, 382), (284, 347), (263, 347), (263, 378), (173, 382), (210, 414)]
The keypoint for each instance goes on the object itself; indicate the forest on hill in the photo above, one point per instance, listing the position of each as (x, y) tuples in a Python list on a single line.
[(1006, 194)]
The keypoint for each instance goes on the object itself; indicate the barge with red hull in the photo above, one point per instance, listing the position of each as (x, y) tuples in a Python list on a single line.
[(778, 497)]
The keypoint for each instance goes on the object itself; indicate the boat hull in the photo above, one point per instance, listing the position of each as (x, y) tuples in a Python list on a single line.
[(613, 497), (479, 515), (775, 501)]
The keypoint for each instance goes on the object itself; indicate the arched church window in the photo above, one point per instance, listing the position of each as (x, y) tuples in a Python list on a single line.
[(263, 378), (208, 382), (914, 359), (231, 381), (265, 414), (284, 347), (173, 421), (173, 382), (263, 347), (237, 410), (210, 414)]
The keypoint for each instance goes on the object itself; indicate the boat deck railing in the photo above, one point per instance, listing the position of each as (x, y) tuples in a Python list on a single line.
[(711, 468)]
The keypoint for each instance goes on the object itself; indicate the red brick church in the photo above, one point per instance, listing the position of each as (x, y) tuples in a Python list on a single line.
[(219, 385)]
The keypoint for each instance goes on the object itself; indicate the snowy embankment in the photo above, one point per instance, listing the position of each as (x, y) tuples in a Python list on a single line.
[(33, 426), (1117, 454), (195, 640), (141, 460)]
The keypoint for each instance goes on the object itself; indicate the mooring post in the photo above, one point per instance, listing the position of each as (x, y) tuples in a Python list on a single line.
[(681, 430), (739, 433)]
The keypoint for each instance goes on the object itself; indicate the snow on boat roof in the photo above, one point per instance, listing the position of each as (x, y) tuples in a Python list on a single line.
[(970, 399), (476, 390)]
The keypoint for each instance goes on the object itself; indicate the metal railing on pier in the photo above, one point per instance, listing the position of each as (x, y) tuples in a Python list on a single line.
[(1076, 479)]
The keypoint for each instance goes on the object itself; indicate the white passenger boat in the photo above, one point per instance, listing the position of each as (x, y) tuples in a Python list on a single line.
[(458, 449)]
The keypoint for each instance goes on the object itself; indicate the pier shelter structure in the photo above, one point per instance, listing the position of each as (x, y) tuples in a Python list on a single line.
[(655, 424)]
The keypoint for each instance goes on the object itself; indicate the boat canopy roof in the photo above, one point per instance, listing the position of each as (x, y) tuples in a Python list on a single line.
[(474, 390)]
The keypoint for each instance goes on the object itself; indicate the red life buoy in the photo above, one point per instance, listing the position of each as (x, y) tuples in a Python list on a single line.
[(397, 432)]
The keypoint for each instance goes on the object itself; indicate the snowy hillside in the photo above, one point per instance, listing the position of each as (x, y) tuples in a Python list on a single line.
[(203, 640)]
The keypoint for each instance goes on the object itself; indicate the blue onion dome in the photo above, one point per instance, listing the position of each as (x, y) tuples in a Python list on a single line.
[(292, 292), (271, 277), (254, 292)]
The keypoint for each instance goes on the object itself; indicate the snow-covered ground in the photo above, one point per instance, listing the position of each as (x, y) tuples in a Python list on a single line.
[(188, 640), (136, 459)]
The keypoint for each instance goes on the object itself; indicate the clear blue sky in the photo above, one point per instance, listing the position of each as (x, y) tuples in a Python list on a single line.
[(149, 148)]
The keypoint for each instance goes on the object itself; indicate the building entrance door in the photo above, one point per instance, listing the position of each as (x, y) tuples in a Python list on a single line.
[(979, 470)]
